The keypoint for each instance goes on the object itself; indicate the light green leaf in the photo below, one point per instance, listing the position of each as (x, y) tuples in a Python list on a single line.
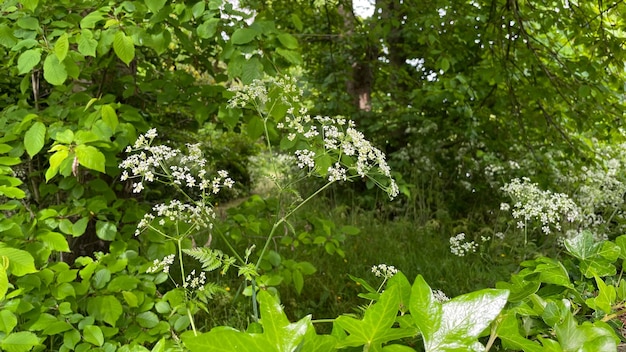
[(227, 339), (91, 19), (8, 321), (4, 283), (290, 55), (28, 60), (55, 241), (425, 310), (20, 262), (7, 39), (147, 319), (243, 36), (508, 332), (208, 28), (124, 47), (93, 334), (105, 308), (54, 71), (90, 157), (86, 43), (276, 328), (109, 116), (12, 192), (55, 162), (106, 230), (288, 41), (155, 5), (19, 342), (61, 47), (34, 138), (198, 9), (256, 127), (30, 5)]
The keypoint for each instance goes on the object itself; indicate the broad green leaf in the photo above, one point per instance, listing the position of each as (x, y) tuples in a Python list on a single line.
[(93, 334), (54, 71), (508, 332), (606, 296), (28, 22), (290, 55), (397, 348), (105, 308), (276, 328), (252, 69), (80, 226), (4, 283), (256, 127), (20, 262), (586, 337), (12, 192), (8, 321), (124, 47), (34, 138), (7, 39), (28, 60), (243, 36), (19, 342), (404, 288), (109, 116), (227, 340), (106, 230), (30, 5), (208, 28), (582, 246), (155, 5), (425, 310), (61, 47), (288, 41), (55, 162), (376, 326), (147, 319), (198, 9), (90, 157), (91, 19), (86, 43), (55, 241)]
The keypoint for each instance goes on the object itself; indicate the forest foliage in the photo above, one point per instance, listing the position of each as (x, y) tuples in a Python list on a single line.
[(158, 159)]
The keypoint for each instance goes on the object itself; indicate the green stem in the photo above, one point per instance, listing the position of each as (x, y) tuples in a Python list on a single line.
[(182, 274), (284, 218)]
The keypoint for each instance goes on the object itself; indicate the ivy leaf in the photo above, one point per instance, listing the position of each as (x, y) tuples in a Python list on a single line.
[(28, 60), (54, 71), (90, 157), (425, 310), (243, 36), (124, 47), (508, 332), (34, 138), (61, 47), (376, 326)]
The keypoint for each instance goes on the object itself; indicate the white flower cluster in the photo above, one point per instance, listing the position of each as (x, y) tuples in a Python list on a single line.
[(195, 282), (177, 211), (459, 247), (440, 296), (149, 162), (533, 204), (162, 265), (384, 270), (327, 135)]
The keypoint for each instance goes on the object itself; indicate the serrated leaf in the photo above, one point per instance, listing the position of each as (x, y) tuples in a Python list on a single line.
[(243, 36), (86, 43), (54, 71), (61, 47), (124, 47), (288, 41), (28, 60), (90, 157), (19, 342), (34, 138)]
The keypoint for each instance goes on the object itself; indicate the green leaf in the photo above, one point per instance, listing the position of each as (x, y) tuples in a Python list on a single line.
[(20, 262), (256, 127), (124, 47), (30, 5), (109, 116), (288, 41), (61, 47), (28, 23), (198, 9), (155, 5), (105, 308), (106, 230), (425, 310), (208, 28), (7, 39), (8, 321), (147, 320), (28, 60), (508, 332), (376, 326), (290, 55), (4, 282), (227, 339), (93, 334), (91, 19), (12, 192), (19, 342), (90, 157), (54, 71), (243, 36), (34, 138), (55, 241), (86, 43), (55, 162)]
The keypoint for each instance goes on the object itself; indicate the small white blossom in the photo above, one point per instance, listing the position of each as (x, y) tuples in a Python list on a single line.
[(162, 265), (384, 270), (459, 247)]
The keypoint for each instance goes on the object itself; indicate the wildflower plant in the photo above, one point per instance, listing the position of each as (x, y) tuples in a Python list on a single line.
[(323, 147)]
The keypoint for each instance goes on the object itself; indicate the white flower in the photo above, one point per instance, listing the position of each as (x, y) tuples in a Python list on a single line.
[(384, 270)]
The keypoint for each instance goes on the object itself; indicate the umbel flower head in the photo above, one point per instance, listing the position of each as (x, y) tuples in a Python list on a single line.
[(331, 147)]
